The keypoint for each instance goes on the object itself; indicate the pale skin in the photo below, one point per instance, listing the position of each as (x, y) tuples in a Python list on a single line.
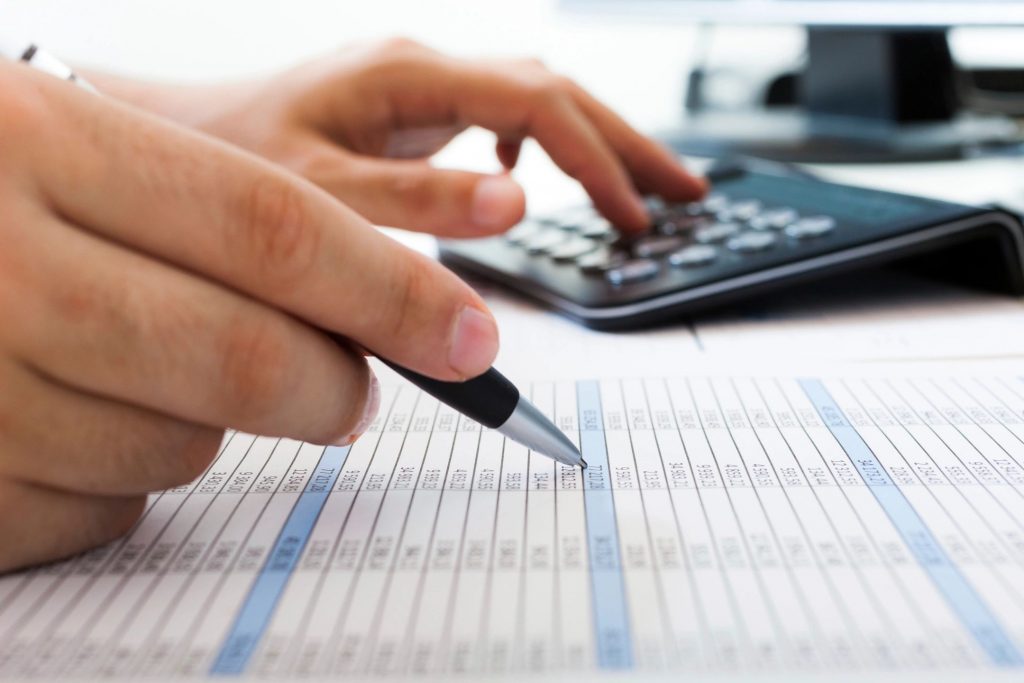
[(178, 260)]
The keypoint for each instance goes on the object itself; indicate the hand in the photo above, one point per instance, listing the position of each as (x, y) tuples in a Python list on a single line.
[(361, 124), (157, 285)]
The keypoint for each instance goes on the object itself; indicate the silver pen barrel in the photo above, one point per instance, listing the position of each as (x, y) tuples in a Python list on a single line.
[(528, 426)]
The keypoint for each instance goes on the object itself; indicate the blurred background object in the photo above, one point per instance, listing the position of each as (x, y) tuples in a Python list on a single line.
[(877, 81), (635, 54)]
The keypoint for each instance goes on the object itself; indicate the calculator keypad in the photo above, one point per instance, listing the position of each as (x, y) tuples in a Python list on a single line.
[(688, 236), (754, 231)]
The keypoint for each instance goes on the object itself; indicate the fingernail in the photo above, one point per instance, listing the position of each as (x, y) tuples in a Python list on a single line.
[(369, 413), (474, 343), (498, 202)]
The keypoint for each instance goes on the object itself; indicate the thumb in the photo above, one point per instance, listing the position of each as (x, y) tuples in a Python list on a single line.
[(417, 196)]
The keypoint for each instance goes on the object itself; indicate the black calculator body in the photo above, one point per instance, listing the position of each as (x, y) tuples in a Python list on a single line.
[(756, 231)]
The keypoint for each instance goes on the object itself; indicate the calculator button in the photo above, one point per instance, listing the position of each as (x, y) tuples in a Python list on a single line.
[(812, 226), (600, 260), (693, 255), (694, 209), (741, 211), (677, 225), (749, 241), (632, 271), (523, 232), (716, 232), (571, 219), (597, 228), (774, 219), (659, 217), (656, 245), (655, 204), (714, 203), (545, 240), (572, 249)]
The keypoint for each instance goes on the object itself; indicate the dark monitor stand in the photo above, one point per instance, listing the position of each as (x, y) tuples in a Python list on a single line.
[(866, 95)]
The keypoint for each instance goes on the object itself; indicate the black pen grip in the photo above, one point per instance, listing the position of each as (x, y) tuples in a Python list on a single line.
[(489, 399)]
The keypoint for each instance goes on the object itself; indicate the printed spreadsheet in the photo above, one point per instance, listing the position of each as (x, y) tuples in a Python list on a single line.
[(725, 524)]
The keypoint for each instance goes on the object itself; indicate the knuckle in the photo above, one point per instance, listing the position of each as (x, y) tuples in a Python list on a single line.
[(86, 301), (532, 64), (410, 285), (562, 84), (416, 192), (392, 53), (551, 90), (254, 368), (400, 45), (320, 164), (278, 226), (111, 319)]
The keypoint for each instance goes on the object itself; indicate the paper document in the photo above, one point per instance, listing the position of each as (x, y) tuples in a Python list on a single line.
[(870, 315), (725, 524)]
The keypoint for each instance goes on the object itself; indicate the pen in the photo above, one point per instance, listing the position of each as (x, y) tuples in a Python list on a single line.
[(493, 401), (490, 399), (42, 60)]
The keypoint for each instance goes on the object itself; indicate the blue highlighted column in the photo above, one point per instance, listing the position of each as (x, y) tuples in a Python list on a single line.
[(262, 599), (611, 620), (975, 615)]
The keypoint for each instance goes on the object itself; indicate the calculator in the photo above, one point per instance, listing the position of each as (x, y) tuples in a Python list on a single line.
[(755, 232)]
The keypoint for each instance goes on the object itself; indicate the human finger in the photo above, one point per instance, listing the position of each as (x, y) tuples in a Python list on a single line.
[(654, 169), (61, 438), (508, 152), (115, 323), (418, 196), (226, 215), (39, 524), (542, 107)]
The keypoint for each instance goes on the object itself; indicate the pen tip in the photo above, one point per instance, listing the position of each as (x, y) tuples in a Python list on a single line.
[(583, 464)]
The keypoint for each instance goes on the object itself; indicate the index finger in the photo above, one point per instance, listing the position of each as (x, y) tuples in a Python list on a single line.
[(516, 105), (654, 168)]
